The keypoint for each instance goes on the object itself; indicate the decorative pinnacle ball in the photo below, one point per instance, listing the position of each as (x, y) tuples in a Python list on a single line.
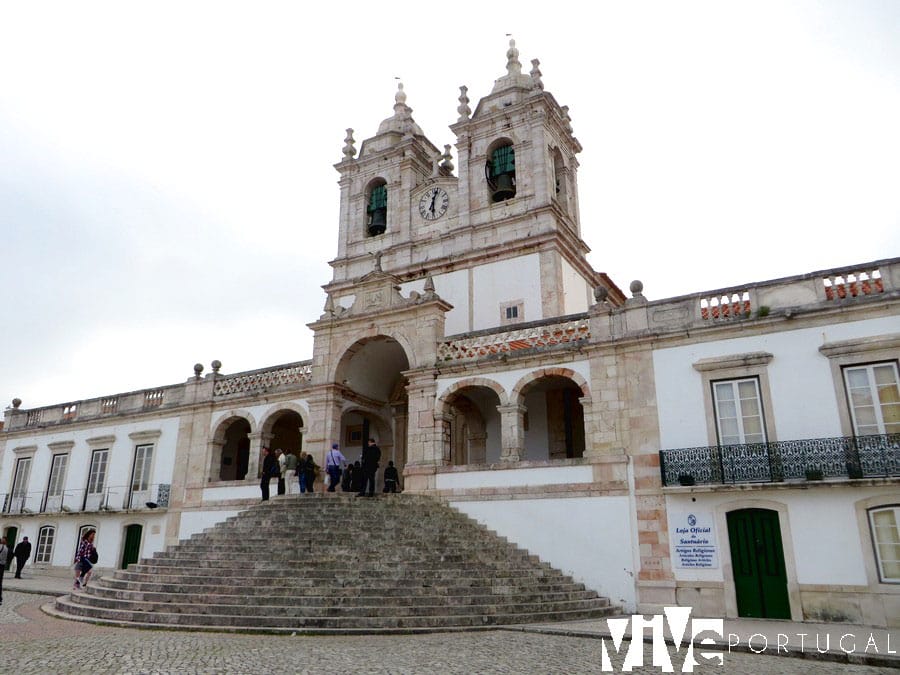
[(198, 368), (636, 287)]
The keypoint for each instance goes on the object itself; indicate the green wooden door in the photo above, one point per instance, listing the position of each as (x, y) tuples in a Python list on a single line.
[(132, 551), (11, 535), (757, 558)]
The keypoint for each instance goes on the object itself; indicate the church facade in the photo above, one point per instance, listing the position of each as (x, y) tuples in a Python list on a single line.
[(736, 450)]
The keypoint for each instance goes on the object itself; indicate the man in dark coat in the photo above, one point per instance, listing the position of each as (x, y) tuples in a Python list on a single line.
[(371, 455), (269, 471), (22, 553)]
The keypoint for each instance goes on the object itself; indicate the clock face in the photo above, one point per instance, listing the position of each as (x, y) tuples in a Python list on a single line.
[(433, 203)]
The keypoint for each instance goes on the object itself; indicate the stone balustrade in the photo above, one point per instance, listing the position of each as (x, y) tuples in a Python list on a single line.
[(779, 298), (535, 335), (265, 378)]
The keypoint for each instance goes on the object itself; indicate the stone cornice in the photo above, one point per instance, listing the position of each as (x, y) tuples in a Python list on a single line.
[(733, 361), (860, 345)]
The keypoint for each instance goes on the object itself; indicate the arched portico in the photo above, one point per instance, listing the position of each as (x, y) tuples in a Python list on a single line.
[(471, 422), (550, 404), (229, 448)]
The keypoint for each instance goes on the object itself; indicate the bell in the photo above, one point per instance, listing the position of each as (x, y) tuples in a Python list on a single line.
[(506, 187), (377, 222)]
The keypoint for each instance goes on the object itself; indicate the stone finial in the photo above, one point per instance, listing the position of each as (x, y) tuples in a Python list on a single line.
[(429, 287), (636, 287), (16, 403), (536, 74), (447, 165), (601, 293), (216, 366), (349, 150), (513, 67), (436, 165), (463, 108), (378, 255), (198, 369), (328, 310), (566, 120), (400, 96)]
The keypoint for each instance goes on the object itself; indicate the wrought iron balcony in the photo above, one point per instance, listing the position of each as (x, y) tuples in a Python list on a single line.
[(808, 459)]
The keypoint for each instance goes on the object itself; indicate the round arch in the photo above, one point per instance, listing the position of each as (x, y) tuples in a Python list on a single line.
[(229, 446), (517, 394), (443, 399), (270, 417), (353, 346)]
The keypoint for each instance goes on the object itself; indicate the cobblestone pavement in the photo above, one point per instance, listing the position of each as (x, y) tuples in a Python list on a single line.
[(32, 642)]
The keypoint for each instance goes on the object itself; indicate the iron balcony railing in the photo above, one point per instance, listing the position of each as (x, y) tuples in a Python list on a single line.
[(110, 498), (808, 459)]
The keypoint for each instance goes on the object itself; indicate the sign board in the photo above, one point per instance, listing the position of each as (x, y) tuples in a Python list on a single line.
[(694, 539)]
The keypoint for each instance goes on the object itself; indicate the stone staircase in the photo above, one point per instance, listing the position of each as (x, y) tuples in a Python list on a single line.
[(333, 563)]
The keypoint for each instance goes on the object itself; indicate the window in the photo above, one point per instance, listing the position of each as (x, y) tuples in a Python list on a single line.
[(512, 312), (97, 476), (376, 209), (44, 550), (886, 538), (57, 475), (874, 398), (739, 418), (501, 172), (143, 457), (20, 484)]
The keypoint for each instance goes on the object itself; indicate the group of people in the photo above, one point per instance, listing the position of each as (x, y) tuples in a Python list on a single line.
[(21, 553), (358, 476), (293, 473)]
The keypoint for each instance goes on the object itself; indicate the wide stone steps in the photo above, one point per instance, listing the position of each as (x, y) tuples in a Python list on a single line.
[(337, 564)]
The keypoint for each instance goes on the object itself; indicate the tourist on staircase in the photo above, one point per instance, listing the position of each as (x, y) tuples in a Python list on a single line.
[(334, 462), (290, 472), (370, 458), (269, 471)]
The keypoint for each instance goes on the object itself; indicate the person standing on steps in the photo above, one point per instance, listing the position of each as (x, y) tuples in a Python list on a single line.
[(371, 456), (269, 471), (334, 462), (4, 554), (282, 468), (22, 553), (391, 478), (290, 472), (310, 469)]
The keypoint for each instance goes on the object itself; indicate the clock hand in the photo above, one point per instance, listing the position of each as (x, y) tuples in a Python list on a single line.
[(433, 197)]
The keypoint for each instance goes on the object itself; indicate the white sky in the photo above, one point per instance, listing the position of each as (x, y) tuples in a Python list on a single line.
[(167, 193)]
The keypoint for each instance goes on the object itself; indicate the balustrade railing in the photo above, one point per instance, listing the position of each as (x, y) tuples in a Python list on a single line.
[(539, 335), (295, 373), (809, 459)]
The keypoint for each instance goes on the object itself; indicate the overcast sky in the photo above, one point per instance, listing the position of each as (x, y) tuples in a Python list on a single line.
[(167, 193)]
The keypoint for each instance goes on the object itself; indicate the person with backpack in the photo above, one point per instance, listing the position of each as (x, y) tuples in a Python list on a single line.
[(4, 554), (85, 559)]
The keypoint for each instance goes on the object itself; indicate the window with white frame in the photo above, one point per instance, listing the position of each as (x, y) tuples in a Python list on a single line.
[(143, 460), (874, 397), (886, 537), (57, 475), (97, 476), (20, 484), (739, 417), (44, 551)]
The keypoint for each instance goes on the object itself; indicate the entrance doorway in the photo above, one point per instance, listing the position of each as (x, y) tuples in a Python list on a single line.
[(757, 559), (131, 553)]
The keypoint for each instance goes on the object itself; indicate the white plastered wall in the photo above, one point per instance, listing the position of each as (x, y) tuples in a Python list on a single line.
[(506, 281), (804, 400), (583, 537), (823, 526), (577, 291)]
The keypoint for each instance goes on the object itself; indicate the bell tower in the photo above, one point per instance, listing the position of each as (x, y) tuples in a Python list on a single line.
[(501, 241)]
